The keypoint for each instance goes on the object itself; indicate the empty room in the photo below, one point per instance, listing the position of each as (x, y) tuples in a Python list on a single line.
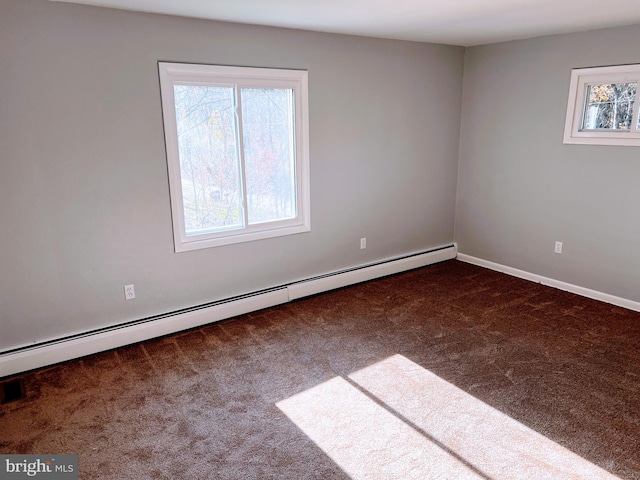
[(319, 240)]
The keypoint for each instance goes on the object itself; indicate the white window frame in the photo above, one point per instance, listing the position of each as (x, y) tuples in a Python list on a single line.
[(194, 74), (580, 80)]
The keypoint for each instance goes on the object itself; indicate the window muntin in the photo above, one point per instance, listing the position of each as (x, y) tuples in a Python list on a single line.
[(237, 151), (602, 107)]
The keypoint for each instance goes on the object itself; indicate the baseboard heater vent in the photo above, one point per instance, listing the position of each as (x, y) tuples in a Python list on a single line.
[(74, 346)]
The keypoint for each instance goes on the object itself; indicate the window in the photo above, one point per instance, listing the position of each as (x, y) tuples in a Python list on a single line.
[(237, 153), (602, 108)]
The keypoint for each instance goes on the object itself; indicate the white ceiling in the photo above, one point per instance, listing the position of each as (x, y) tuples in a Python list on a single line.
[(457, 22)]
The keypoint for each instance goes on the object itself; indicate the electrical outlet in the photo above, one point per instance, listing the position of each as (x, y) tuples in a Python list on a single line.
[(129, 292), (558, 248), (363, 243)]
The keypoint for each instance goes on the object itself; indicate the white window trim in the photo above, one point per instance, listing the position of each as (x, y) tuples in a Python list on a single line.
[(580, 79), (297, 80)]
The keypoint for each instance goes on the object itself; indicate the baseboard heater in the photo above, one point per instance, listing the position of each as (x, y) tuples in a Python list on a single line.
[(67, 348)]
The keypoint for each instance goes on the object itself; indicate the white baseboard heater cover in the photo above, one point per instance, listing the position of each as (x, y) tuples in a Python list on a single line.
[(60, 350)]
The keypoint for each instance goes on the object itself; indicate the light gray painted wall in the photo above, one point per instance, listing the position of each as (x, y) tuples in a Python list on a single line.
[(520, 189), (83, 176)]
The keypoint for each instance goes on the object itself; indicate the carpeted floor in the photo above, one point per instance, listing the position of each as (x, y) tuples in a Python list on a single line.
[(241, 399)]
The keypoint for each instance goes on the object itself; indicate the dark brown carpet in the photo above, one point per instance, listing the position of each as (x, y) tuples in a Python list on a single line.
[(201, 404)]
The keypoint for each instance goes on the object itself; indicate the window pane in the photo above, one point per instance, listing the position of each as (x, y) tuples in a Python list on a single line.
[(269, 154), (609, 106), (209, 162)]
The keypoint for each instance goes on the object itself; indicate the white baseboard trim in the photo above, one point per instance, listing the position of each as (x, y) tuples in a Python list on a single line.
[(49, 353), (567, 287)]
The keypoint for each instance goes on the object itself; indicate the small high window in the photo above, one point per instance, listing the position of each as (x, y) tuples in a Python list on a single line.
[(237, 152), (603, 106)]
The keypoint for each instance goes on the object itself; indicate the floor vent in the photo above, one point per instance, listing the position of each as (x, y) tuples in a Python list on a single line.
[(11, 391)]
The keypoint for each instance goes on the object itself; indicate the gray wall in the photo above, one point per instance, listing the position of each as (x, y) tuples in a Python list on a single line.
[(83, 176), (520, 189)]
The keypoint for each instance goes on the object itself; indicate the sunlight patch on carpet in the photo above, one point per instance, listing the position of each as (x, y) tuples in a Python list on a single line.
[(427, 429), (364, 439)]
